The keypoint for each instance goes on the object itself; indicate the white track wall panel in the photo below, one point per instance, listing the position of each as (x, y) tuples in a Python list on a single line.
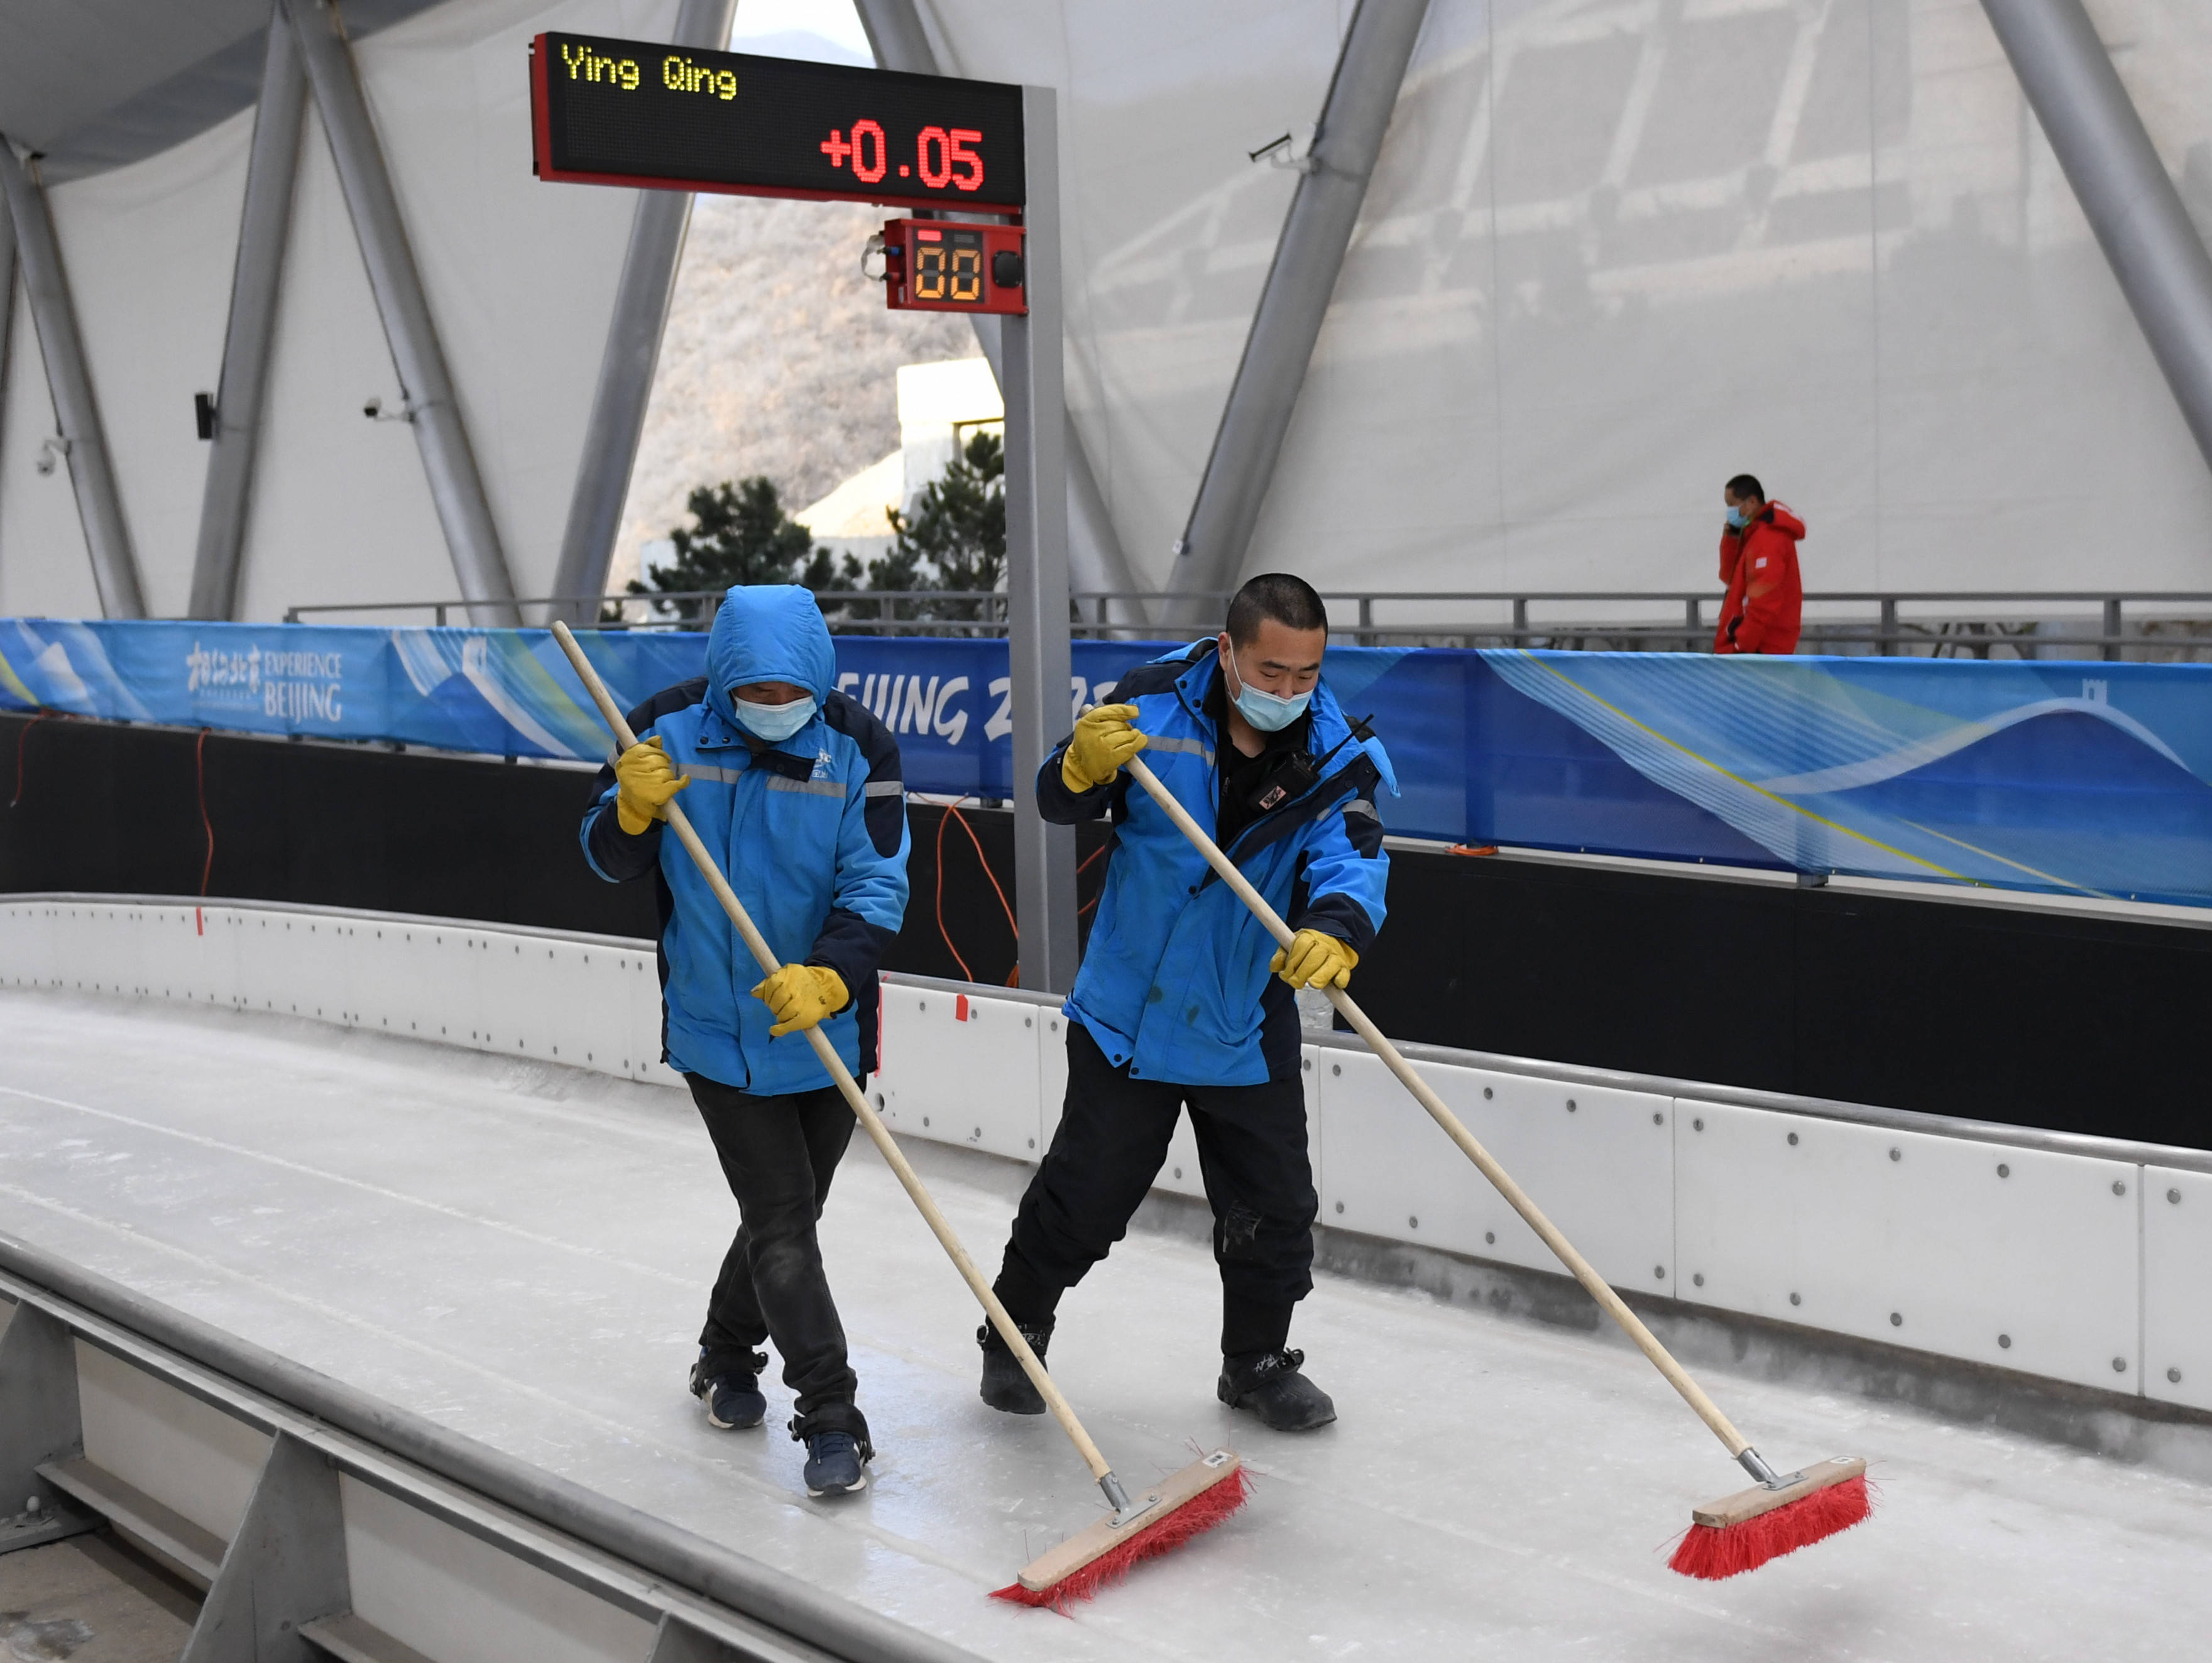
[(2065, 1266), (1600, 1169), (2176, 1295), (961, 1069), (2017, 1258)]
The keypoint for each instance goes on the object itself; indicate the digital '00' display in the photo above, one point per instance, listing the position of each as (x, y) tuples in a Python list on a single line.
[(630, 112)]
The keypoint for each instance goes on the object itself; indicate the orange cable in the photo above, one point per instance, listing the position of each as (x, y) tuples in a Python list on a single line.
[(199, 765), (966, 974), (21, 739)]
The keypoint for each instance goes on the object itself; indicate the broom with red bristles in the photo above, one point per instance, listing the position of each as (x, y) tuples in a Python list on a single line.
[(1782, 1512), (1162, 1519)]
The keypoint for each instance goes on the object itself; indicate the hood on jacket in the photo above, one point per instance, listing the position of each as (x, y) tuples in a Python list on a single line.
[(1777, 515), (769, 633)]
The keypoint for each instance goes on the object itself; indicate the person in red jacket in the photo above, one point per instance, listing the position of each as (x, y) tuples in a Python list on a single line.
[(1766, 600)]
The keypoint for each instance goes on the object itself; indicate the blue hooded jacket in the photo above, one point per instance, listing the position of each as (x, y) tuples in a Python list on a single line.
[(1175, 981), (811, 834)]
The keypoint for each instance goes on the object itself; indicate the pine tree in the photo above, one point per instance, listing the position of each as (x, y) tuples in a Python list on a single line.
[(957, 533), (740, 534)]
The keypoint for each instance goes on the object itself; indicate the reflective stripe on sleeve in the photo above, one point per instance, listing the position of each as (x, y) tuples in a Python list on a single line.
[(1191, 747)]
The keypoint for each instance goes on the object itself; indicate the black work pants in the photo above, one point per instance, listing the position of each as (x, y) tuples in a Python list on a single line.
[(1112, 1135), (778, 1154)]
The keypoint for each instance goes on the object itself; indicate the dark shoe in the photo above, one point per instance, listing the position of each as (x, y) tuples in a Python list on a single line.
[(1006, 1387), (1271, 1386), (731, 1397), (837, 1450)]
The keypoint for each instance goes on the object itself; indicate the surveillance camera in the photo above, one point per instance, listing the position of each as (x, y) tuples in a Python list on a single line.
[(373, 409)]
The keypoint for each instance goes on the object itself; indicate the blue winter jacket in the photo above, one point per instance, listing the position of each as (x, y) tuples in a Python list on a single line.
[(811, 834), (1175, 981)]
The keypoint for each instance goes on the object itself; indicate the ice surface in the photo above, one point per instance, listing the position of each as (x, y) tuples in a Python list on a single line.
[(522, 1253)]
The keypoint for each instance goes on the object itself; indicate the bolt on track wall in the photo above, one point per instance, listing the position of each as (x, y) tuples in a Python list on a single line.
[(2080, 1265)]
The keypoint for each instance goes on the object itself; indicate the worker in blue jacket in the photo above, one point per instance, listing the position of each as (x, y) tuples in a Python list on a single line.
[(1184, 1000), (795, 788)]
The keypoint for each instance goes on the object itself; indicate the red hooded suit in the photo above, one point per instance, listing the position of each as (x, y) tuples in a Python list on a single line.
[(1766, 599)]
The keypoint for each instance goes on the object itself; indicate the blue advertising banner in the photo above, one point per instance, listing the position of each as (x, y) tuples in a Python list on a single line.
[(2078, 778)]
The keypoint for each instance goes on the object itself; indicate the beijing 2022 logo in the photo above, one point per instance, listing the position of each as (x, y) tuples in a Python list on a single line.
[(287, 686)]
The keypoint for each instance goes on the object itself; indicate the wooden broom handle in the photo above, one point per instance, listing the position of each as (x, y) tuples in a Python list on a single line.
[(893, 1156), (1599, 1288)]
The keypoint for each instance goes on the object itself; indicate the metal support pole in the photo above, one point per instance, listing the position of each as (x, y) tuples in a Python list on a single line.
[(1370, 68), (897, 37), (626, 365), (2124, 190), (7, 316), (270, 168), (2111, 631), (1096, 558), (91, 470), (1038, 650), (1886, 644), (285, 1568), (456, 487), (1692, 625)]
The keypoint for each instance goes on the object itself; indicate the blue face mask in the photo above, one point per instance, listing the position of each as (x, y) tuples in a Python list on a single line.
[(1735, 518), (1268, 712), (774, 723)]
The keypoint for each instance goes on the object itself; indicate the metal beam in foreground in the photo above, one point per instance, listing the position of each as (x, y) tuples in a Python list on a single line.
[(1210, 554), (2124, 190), (287, 1559), (1037, 650), (270, 168), (456, 486), (92, 468), (640, 315)]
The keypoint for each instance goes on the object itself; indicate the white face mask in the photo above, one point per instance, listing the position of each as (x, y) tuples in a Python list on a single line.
[(774, 723), (1269, 713)]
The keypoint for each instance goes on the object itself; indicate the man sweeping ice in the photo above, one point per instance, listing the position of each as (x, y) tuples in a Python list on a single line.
[(1184, 1001), (795, 790)]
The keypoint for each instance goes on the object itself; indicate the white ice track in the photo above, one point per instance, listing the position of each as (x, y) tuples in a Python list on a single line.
[(521, 1253)]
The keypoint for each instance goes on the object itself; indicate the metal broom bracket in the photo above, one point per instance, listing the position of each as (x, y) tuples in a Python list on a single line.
[(1765, 1475)]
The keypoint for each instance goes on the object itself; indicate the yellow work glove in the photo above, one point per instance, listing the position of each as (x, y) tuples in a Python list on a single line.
[(648, 779), (1101, 742), (800, 995), (1314, 960)]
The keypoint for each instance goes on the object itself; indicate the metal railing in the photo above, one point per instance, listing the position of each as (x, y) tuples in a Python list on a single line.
[(2025, 624)]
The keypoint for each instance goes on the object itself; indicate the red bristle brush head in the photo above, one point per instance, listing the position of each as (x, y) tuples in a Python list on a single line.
[(1164, 1535), (1711, 1553)]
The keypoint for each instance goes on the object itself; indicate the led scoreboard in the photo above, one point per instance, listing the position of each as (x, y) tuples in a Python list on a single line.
[(631, 113)]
